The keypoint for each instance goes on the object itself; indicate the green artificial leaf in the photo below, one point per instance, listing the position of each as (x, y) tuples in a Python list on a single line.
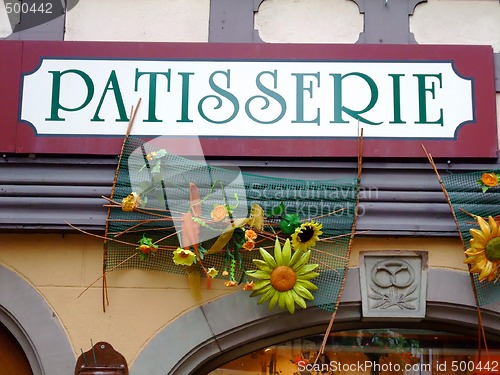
[(289, 223), (278, 210), (142, 256), (157, 178), (161, 153), (156, 168), (201, 251), (146, 240), (145, 185), (485, 188)]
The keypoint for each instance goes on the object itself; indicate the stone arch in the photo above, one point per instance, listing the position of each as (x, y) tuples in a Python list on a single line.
[(232, 326), (35, 326)]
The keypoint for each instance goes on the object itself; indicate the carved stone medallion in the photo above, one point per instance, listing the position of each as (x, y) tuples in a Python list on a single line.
[(393, 284)]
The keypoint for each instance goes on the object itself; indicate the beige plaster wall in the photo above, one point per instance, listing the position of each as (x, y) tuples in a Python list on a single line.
[(59, 267), (309, 21), (130, 20), (141, 302), (457, 22)]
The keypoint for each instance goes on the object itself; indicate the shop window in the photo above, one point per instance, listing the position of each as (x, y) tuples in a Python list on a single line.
[(371, 352)]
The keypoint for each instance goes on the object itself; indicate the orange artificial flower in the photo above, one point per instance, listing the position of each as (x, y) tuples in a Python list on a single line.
[(249, 245), (230, 283), (145, 249), (250, 235), (489, 179), (219, 213), (249, 286)]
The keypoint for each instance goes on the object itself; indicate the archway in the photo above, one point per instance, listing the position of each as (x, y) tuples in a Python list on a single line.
[(33, 324), (206, 337)]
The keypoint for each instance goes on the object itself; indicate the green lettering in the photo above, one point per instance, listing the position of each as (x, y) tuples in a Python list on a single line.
[(422, 98), (273, 94), (338, 108), (153, 77), (396, 90), (56, 105), (185, 97), (112, 85), (300, 97), (224, 93)]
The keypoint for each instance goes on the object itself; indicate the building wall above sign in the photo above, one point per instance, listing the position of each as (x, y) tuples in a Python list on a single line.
[(251, 100)]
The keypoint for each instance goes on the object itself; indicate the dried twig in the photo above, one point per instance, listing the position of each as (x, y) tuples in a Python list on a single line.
[(481, 332), (349, 248)]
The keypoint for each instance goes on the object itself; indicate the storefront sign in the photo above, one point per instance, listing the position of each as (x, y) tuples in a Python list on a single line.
[(283, 100), (248, 99)]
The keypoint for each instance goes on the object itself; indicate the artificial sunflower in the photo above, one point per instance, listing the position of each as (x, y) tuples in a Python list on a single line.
[(284, 278), (306, 235), (484, 252)]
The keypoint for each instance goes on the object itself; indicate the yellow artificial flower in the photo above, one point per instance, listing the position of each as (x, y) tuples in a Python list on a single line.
[(284, 278), (151, 155), (306, 235), (131, 202), (483, 255), (212, 272), (183, 257)]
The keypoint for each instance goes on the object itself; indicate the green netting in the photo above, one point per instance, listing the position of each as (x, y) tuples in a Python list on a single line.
[(466, 197), (164, 186)]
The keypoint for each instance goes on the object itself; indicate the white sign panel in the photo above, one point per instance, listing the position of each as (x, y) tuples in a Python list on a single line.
[(247, 98)]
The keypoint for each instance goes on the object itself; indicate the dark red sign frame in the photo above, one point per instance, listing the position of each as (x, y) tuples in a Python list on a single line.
[(477, 139)]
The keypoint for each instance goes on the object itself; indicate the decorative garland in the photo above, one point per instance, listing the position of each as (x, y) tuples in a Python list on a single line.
[(168, 213)]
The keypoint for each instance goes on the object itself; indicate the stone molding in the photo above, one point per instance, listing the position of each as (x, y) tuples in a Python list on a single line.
[(210, 335), (35, 326)]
